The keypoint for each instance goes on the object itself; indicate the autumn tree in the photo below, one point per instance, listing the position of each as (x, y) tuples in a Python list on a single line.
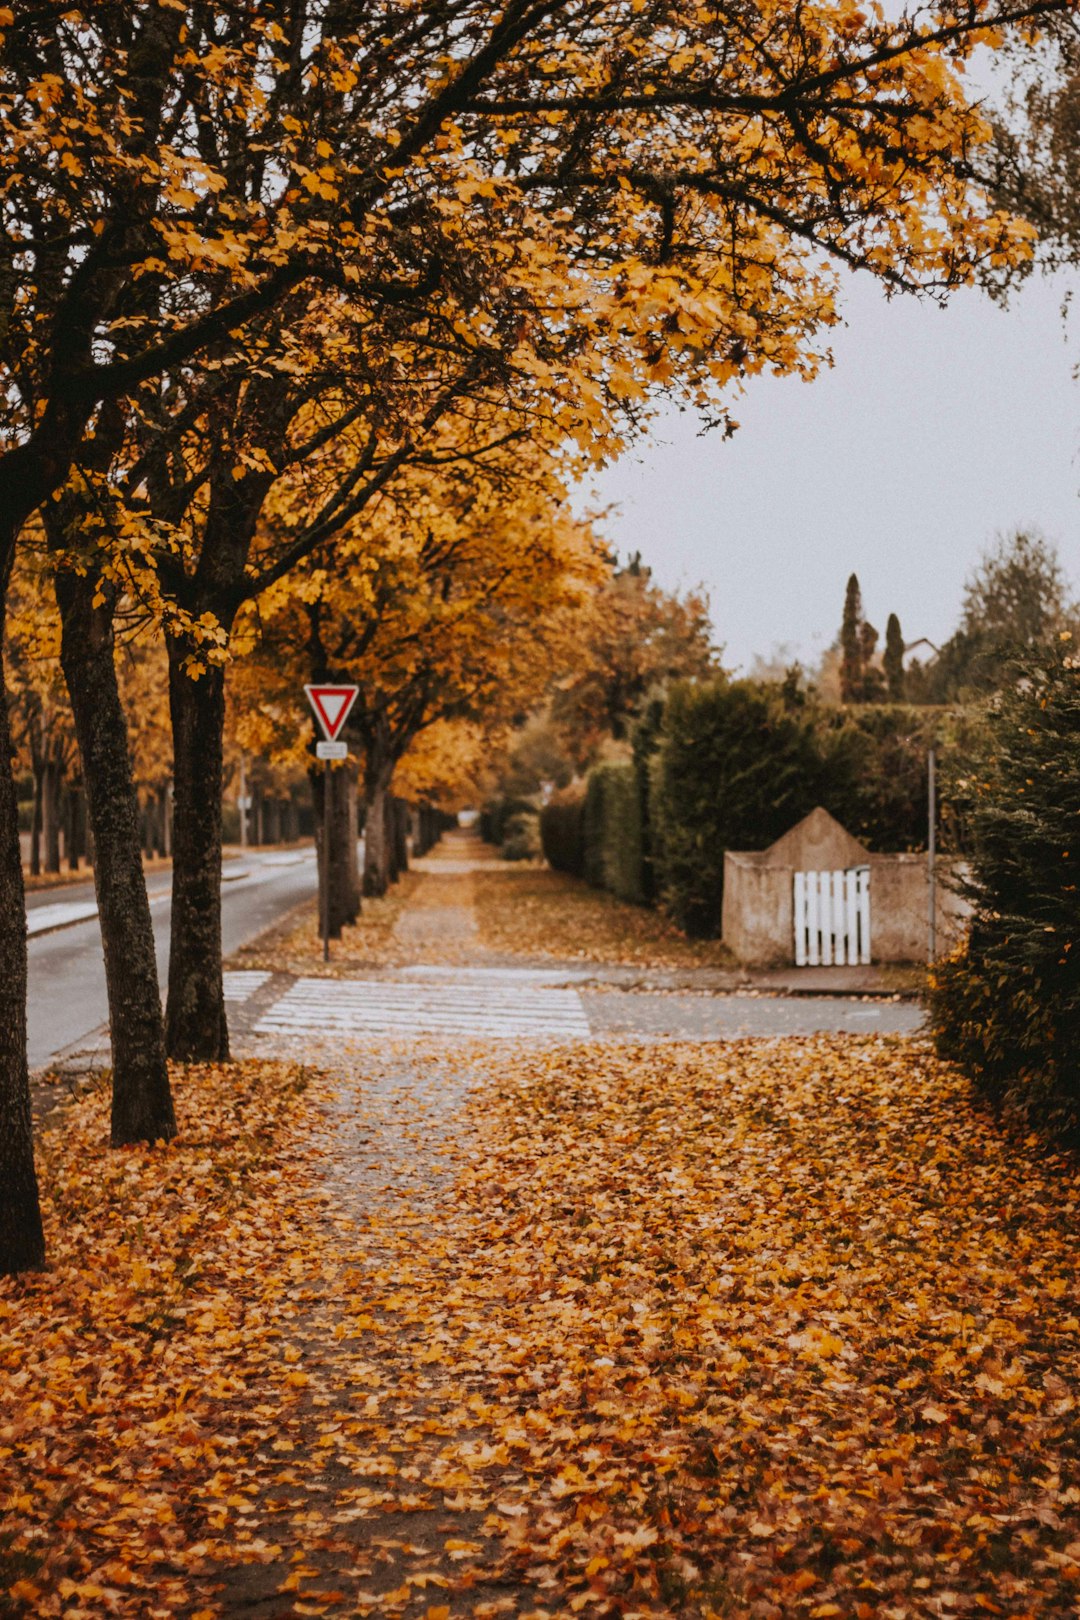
[(635, 318), (453, 604), (175, 173), (638, 635), (41, 722)]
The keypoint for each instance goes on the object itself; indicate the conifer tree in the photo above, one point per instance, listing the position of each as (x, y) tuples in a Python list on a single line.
[(894, 658), (851, 644)]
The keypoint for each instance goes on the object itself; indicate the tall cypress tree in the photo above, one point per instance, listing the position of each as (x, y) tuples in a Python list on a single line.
[(894, 658), (851, 644)]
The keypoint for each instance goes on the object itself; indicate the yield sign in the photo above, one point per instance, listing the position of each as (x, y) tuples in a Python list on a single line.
[(331, 705)]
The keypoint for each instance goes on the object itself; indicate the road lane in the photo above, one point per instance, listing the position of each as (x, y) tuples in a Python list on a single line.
[(67, 1000)]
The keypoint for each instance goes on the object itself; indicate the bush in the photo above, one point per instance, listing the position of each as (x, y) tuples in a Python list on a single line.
[(739, 763), (497, 814), (1006, 1009), (562, 832), (881, 792), (521, 836), (611, 818), (594, 825), (645, 740)]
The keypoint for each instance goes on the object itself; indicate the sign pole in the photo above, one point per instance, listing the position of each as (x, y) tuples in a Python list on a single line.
[(328, 776), (331, 705)]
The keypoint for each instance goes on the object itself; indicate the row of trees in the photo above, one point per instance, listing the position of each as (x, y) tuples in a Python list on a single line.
[(259, 264), (1015, 602)]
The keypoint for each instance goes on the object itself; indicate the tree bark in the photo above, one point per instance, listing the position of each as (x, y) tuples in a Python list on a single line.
[(344, 875), (376, 842), (22, 1242), (52, 785), (393, 870), (352, 873), (142, 1108), (401, 835), (36, 818), (196, 1028), (73, 832)]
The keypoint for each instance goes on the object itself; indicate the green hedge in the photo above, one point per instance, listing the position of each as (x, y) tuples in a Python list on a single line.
[(562, 832), (521, 836), (739, 763), (623, 834), (1006, 1008), (594, 825), (497, 815), (880, 795)]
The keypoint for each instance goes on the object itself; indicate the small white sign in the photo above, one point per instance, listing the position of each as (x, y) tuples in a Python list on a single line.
[(331, 750)]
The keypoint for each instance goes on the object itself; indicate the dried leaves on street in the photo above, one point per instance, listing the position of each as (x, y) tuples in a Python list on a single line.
[(770, 1328)]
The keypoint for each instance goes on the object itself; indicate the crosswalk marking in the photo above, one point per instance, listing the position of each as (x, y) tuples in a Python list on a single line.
[(378, 1006), (242, 984)]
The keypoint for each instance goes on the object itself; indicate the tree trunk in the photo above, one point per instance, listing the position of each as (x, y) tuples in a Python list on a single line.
[(344, 874), (161, 811), (36, 819), (401, 835), (22, 1242), (142, 1109), (351, 853), (53, 785), (72, 828), (393, 870), (196, 1029), (376, 842)]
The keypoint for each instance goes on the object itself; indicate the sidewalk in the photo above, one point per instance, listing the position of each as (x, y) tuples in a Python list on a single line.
[(448, 1317), (444, 957)]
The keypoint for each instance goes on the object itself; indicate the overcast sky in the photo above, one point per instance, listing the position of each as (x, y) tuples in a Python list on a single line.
[(934, 430)]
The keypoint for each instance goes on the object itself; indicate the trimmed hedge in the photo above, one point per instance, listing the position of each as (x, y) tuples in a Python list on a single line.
[(739, 763), (623, 834), (562, 832), (497, 814), (521, 836), (1006, 1008), (645, 741), (597, 833), (594, 825)]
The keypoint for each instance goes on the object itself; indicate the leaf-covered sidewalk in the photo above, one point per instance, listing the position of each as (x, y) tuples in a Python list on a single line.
[(770, 1328)]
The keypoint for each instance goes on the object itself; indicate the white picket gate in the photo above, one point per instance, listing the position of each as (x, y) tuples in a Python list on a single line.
[(832, 918)]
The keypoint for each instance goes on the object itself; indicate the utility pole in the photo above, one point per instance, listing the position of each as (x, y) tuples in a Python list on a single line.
[(931, 851)]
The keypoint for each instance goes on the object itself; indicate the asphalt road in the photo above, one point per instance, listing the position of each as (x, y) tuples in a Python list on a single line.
[(67, 1000)]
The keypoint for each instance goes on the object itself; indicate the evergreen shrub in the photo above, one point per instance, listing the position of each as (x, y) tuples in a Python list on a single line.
[(521, 835), (613, 832), (562, 831), (1006, 1007), (739, 763), (594, 824), (644, 741)]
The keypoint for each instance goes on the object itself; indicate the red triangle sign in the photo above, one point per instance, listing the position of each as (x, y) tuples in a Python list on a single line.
[(331, 705)]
